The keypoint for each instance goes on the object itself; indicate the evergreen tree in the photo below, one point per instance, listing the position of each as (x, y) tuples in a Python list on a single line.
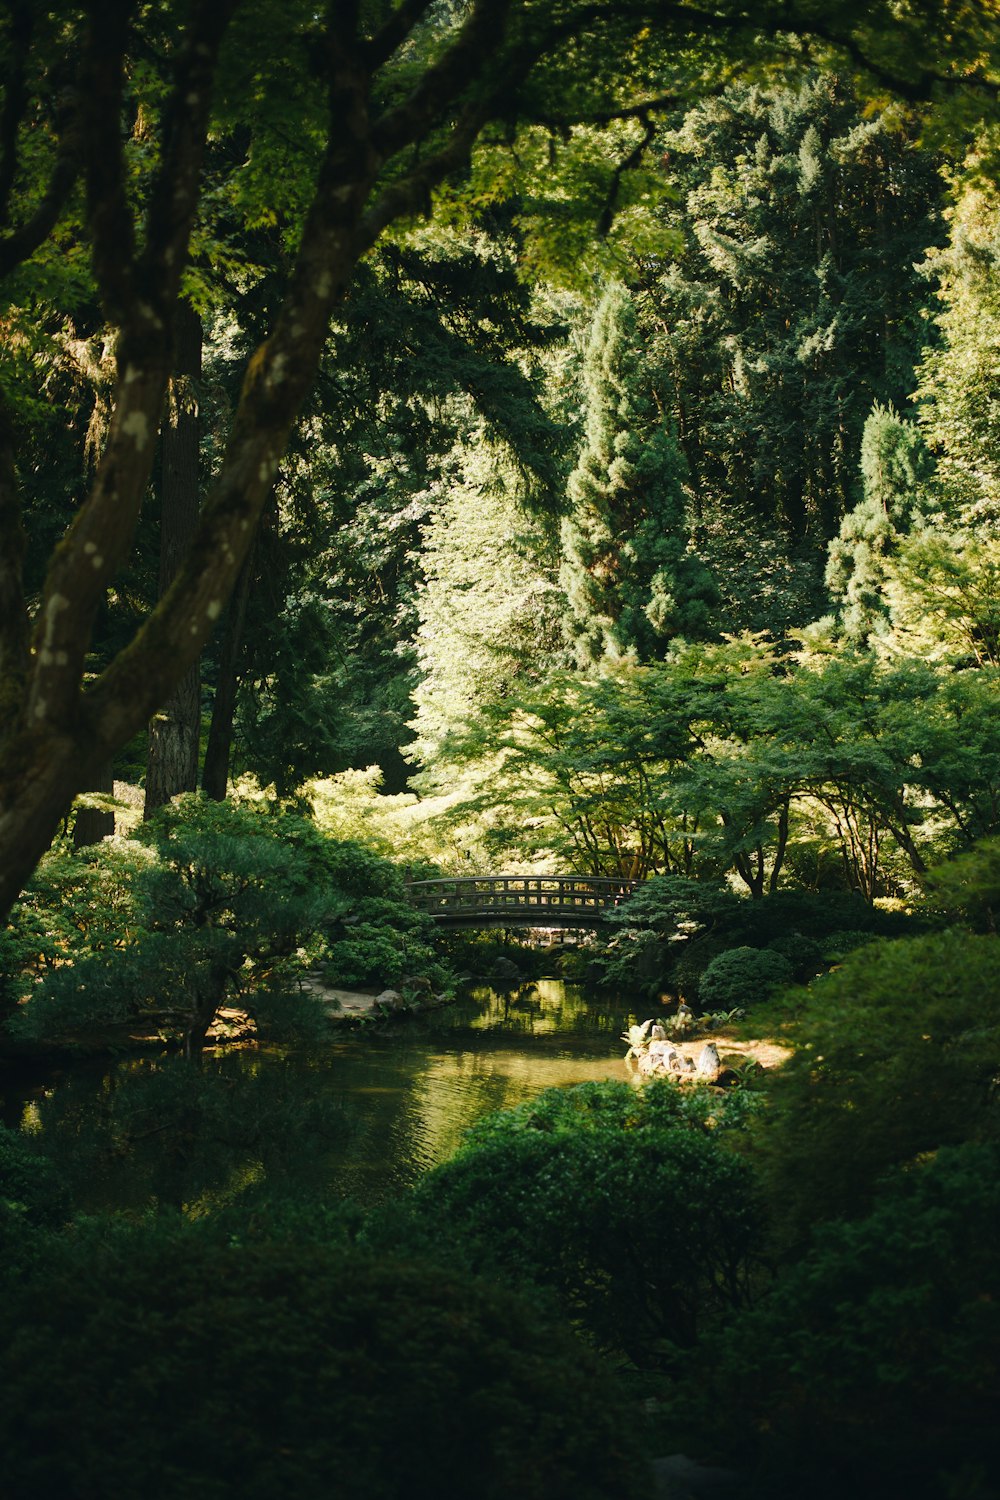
[(631, 579), (489, 604), (793, 302), (956, 391), (895, 470)]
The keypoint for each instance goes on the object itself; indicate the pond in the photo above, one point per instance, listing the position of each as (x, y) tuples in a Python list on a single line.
[(376, 1107)]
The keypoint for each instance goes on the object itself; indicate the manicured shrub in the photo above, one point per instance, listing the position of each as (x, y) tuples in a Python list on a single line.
[(743, 977), (172, 1367), (623, 1204), (804, 954)]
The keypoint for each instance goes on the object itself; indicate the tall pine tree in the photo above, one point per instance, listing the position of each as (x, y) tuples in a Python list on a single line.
[(632, 581), (895, 471)]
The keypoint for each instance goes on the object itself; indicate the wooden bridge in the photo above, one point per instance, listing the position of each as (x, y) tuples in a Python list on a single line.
[(519, 900)]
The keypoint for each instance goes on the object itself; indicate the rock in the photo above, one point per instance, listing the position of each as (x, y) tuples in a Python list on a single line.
[(390, 1000), (417, 984), (506, 973), (680, 1478), (657, 1034), (709, 1063), (661, 1057)]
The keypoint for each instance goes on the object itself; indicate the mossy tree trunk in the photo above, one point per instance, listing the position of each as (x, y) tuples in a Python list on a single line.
[(175, 730)]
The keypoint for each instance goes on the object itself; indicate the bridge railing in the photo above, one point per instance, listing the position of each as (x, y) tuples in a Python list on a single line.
[(519, 897)]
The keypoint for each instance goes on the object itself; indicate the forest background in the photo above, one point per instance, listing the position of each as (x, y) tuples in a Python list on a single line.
[(526, 437)]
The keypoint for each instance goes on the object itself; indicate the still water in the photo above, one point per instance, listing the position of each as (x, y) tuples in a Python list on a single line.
[(388, 1103)]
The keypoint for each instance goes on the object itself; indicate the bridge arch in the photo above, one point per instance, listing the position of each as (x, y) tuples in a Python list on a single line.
[(519, 900)]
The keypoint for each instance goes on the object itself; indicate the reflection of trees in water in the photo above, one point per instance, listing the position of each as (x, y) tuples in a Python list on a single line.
[(162, 1132), (362, 1117)]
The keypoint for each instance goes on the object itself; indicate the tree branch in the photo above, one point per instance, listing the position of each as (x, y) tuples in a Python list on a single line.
[(390, 37), (174, 197), (21, 30), (108, 212), (13, 611), (444, 80), (93, 549)]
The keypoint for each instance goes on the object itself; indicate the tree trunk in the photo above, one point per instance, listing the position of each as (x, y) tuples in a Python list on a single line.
[(92, 824), (175, 730), (215, 773)]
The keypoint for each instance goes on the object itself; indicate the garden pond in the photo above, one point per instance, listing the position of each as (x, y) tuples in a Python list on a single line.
[(359, 1117)]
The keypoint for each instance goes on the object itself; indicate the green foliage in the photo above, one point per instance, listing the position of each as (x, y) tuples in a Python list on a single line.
[(209, 904), (895, 468), (895, 1055), (631, 580), (944, 594), (34, 1199), (164, 1363), (875, 1354), (671, 929), (793, 305), (742, 976), (624, 1205), (969, 886), (488, 603)]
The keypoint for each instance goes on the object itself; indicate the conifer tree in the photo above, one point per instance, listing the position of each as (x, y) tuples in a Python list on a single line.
[(895, 469), (632, 582), (793, 302)]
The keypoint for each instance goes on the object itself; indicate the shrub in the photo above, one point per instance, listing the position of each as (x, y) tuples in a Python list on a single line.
[(34, 1199), (621, 1203), (209, 904), (741, 976), (173, 1367), (895, 1056), (804, 954), (871, 1365)]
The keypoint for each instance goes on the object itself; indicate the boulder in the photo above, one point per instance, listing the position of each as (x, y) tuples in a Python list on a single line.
[(506, 973), (709, 1063), (390, 1000), (417, 984)]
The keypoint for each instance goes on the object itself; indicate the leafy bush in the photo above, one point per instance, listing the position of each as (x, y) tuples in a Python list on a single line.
[(895, 1056), (209, 904), (171, 1366), (670, 929), (34, 1199), (872, 1364), (622, 1203), (804, 954), (741, 976)]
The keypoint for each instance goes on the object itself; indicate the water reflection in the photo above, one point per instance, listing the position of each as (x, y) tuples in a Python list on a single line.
[(408, 1093)]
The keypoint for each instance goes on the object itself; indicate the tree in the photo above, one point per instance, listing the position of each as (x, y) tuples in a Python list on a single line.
[(793, 300), (175, 732), (490, 608), (631, 580), (895, 470), (354, 117)]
